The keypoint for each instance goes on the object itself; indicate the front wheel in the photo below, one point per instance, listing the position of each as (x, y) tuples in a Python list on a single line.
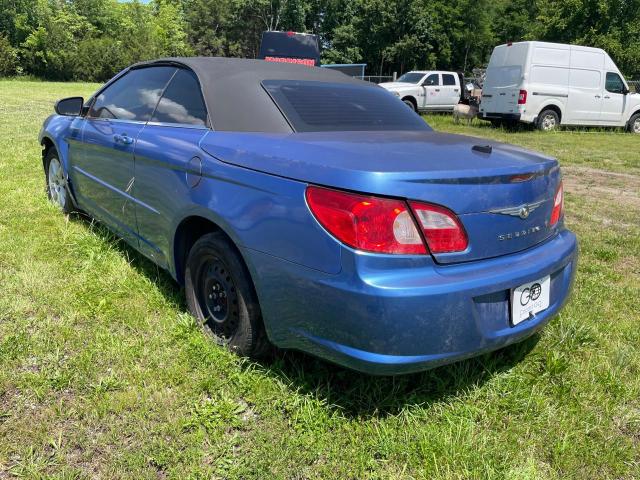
[(410, 104), (57, 185), (548, 120), (634, 124), (221, 297)]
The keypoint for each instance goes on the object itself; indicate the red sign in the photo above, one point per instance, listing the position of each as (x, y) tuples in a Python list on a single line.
[(309, 62)]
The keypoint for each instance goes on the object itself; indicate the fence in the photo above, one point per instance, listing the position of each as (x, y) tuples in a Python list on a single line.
[(378, 78), (634, 85)]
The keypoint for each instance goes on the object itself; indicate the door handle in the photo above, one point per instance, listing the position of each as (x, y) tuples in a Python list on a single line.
[(437, 89), (597, 96), (123, 139), (607, 96), (455, 89)]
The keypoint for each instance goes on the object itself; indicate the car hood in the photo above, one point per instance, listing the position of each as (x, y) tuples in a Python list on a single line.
[(430, 166), (397, 85)]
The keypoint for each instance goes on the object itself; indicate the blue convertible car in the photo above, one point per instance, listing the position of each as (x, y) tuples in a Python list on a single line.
[(308, 210)]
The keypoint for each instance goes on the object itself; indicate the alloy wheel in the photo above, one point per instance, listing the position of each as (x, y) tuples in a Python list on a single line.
[(57, 183), (548, 122)]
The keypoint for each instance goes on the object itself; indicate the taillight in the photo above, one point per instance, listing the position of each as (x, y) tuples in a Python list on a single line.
[(367, 223), (522, 97), (441, 228), (558, 205)]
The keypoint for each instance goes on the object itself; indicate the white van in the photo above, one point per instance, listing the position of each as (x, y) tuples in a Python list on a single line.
[(550, 84)]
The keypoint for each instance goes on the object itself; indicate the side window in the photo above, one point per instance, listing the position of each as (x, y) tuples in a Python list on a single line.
[(614, 83), (448, 79), (182, 101), (432, 80), (133, 96)]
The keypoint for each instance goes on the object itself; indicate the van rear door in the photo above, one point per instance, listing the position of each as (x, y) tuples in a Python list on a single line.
[(505, 74)]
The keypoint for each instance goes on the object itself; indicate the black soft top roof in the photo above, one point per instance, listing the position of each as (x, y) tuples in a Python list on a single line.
[(233, 93)]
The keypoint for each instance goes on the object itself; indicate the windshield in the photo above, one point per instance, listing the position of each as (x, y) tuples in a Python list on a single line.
[(411, 77), (506, 76), (334, 107)]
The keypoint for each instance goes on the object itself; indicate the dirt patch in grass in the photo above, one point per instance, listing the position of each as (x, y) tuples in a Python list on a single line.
[(622, 188)]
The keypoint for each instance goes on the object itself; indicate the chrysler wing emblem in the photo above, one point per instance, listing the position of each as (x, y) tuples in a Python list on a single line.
[(522, 211)]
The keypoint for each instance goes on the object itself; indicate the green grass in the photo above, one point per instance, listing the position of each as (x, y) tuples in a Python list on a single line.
[(104, 375)]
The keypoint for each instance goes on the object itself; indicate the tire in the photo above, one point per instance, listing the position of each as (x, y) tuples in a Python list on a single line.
[(496, 123), (221, 297), (548, 120), (410, 104), (634, 124), (57, 184)]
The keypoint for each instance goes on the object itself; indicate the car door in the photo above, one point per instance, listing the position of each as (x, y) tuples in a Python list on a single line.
[(168, 164), (613, 100), (103, 169), (450, 90), (431, 86)]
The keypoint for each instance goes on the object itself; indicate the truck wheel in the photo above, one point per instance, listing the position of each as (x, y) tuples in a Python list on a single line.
[(496, 123), (548, 120), (410, 104), (634, 124)]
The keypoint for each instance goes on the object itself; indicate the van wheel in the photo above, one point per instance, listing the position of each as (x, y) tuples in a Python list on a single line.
[(634, 124), (221, 297), (496, 123), (548, 120)]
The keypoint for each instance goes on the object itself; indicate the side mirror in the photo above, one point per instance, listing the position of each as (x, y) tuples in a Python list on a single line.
[(70, 107), (625, 90)]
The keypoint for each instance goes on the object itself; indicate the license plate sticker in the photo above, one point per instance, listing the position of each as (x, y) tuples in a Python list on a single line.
[(529, 299)]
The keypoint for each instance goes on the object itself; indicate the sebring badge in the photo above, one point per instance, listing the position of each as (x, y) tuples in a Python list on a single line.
[(519, 233), (521, 211)]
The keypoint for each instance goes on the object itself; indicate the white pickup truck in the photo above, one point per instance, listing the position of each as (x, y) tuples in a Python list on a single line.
[(428, 90)]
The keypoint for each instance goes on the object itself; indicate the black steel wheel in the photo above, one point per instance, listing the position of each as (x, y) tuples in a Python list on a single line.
[(221, 296)]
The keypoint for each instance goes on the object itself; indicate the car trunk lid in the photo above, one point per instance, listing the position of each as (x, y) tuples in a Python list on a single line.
[(486, 184)]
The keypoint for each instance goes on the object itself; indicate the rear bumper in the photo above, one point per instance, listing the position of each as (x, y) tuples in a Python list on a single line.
[(512, 117), (393, 315)]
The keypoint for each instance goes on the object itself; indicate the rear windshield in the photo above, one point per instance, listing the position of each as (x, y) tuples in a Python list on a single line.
[(507, 76), (324, 107)]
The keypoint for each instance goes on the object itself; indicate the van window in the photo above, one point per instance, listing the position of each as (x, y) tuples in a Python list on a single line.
[(614, 83), (448, 79), (507, 76)]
